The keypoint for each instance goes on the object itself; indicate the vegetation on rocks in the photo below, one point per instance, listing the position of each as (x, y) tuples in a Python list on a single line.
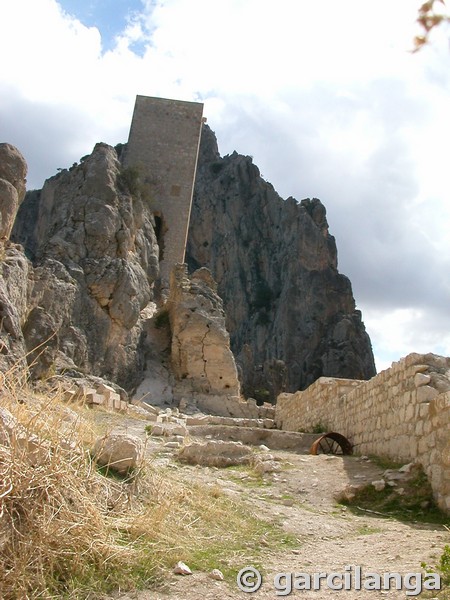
[(414, 503)]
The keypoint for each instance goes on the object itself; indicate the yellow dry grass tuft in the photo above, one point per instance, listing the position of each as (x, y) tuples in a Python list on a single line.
[(68, 531)]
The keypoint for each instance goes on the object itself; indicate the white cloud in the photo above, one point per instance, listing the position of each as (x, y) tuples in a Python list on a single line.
[(325, 95), (396, 332)]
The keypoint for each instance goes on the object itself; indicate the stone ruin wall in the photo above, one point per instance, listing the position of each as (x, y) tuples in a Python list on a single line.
[(403, 413), (163, 144)]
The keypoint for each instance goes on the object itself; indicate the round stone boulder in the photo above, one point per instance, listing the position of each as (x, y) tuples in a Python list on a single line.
[(119, 452), (13, 168)]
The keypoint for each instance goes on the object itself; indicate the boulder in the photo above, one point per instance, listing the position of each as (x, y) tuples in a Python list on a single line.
[(265, 462), (215, 453), (13, 168), (120, 452), (13, 171)]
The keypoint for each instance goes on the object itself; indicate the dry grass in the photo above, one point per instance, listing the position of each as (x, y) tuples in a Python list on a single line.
[(67, 531)]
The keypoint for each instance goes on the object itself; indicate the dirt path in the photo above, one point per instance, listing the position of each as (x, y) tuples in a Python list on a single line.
[(330, 537)]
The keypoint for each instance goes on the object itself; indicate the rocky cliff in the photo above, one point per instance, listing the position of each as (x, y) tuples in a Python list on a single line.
[(14, 267), (95, 260), (290, 313), (79, 301)]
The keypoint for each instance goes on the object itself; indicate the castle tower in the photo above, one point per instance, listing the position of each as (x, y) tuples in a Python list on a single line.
[(163, 144)]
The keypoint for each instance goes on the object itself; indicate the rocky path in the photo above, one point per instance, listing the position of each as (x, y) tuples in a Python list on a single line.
[(330, 537)]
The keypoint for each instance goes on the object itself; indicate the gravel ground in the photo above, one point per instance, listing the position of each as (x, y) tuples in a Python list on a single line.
[(330, 537)]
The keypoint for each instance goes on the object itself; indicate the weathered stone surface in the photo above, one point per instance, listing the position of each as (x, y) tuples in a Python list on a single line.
[(14, 267), (379, 485), (290, 314), (14, 283), (201, 356), (96, 259), (8, 426), (41, 340), (265, 463), (120, 452), (169, 429), (217, 575), (182, 569), (255, 436), (13, 168), (387, 416), (13, 434), (349, 492), (421, 379), (9, 203), (215, 453)]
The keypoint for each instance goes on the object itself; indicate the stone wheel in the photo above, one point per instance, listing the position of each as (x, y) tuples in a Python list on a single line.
[(332, 443)]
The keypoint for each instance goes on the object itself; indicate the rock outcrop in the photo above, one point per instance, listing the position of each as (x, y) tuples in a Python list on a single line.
[(13, 172), (14, 267), (77, 303), (201, 357), (95, 259), (291, 315)]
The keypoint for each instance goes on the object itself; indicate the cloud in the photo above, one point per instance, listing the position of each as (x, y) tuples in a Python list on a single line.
[(324, 95)]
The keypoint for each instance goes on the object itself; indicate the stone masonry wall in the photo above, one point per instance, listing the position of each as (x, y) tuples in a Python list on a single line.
[(163, 144), (403, 413)]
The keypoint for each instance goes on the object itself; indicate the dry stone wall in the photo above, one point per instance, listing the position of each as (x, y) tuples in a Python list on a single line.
[(403, 413)]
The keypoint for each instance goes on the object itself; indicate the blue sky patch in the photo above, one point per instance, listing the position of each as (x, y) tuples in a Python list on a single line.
[(109, 16)]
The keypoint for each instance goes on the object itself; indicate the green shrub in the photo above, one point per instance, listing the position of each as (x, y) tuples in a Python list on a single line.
[(261, 395), (263, 296), (161, 319), (444, 565), (129, 179), (415, 504), (319, 428)]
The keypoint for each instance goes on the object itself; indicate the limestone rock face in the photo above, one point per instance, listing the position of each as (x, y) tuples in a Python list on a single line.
[(291, 315), (14, 267), (13, 168), (9, 203), (201, 355), (13, 172), (14, 285), (95, 261)]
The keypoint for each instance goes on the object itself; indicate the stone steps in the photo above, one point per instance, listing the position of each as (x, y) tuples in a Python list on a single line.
[(233, 421), (255, 436)]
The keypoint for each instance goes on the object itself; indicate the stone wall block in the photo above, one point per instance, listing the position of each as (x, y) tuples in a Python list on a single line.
[(440, 404), (413, 359), (426, 393), (92, 398), (421, 379), (409, 413)]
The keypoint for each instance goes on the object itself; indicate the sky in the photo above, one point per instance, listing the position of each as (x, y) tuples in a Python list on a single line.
[(325, 95)]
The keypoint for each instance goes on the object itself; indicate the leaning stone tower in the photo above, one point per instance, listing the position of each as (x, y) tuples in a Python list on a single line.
[(163, 144)]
